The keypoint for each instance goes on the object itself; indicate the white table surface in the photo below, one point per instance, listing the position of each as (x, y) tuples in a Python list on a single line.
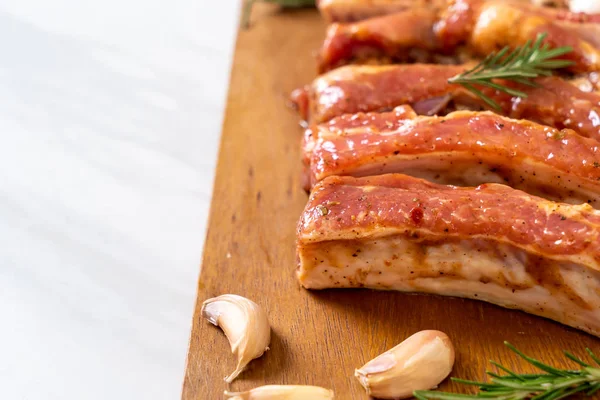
[(110, 115)]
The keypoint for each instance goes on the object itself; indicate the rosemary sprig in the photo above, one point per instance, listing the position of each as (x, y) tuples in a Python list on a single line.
[(553, 384), (247, 7), (521, 65)]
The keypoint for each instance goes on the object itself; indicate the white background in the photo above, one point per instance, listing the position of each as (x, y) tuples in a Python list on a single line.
[(110, 114)]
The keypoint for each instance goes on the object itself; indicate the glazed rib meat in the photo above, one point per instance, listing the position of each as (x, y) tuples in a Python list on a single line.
[(350, 89), (400, 35), (480, 26), (355, 88), (464, 148), (489, 243), (356, 10), (486, 26)]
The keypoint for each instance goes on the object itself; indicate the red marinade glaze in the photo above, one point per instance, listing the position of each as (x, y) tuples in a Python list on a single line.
[(554, 102), (379, 122), (376, 121), (492, 210), (383, 90), (456, 23), (388, 35), (469, 132), (301, 101), (557, 36)]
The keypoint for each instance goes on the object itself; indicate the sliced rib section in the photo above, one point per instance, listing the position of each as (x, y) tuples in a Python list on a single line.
[(404, 36), (464, 148), (356, 10), (350, 89), (475, 26), (490, 243), (486, 26)]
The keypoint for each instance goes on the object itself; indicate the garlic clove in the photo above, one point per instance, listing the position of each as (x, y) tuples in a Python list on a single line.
[(244, 323), (420, 362), (279, 392)]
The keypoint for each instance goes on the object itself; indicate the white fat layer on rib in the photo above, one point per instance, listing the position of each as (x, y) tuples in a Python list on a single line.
[(385, 233), (478, 269)]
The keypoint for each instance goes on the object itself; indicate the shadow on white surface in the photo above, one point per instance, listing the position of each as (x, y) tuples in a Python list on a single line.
[(110, 114)]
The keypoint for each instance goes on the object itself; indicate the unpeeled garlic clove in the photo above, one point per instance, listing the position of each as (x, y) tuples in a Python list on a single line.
[(244, 323), (279, 392), (420, 362)]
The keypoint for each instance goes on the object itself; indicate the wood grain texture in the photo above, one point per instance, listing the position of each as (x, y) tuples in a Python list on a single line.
[(318, 338)]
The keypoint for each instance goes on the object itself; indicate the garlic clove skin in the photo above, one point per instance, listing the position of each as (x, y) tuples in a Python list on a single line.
[(279, 392), (420, 362), (244, 323)]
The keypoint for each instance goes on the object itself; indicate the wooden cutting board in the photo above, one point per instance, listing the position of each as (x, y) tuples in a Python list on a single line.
[(318, 337)]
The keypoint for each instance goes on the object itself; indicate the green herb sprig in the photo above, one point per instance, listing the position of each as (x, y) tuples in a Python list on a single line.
[(247, 7), (553, 384), (521, 64)]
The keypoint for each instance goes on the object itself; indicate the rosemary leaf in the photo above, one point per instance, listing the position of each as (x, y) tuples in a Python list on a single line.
[(554, 384), (472, 383), (485, 98), (567, 393), (596, 359), (536, 363), (593, 389), (521, 65), (576, 359), (508, 371)]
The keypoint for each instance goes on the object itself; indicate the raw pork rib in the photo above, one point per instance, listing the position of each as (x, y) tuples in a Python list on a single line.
[(355, 88), (399, 35), (486, 26), (356, 10), (490, 243), (480, 26), (556, 102), (464, 148)]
